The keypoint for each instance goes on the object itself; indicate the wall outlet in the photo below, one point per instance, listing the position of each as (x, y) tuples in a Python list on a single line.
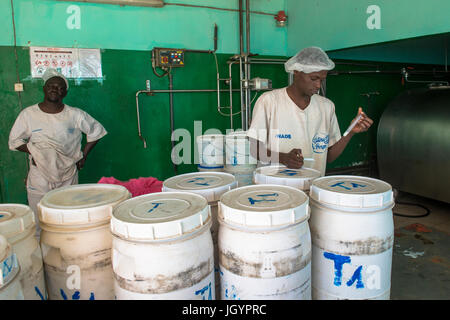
[(18, 86)]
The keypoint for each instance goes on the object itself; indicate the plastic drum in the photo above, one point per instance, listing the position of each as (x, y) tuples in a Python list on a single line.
[(352, 233), (17, 224), (264, 244), (211, 186), (10, 288), (282, 175), (76, 240), (162, 248)]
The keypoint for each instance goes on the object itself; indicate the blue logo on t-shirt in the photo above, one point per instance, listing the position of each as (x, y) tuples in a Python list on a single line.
[(320, 142), (283, 136)]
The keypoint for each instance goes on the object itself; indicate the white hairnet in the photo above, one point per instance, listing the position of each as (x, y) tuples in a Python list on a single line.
[(312, 59), (50, 73)]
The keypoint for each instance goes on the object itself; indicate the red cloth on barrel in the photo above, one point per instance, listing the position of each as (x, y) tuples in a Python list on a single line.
[(138, 186)]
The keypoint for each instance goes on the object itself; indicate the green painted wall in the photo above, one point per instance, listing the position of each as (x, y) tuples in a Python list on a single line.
[(332, 24), (45, 23)]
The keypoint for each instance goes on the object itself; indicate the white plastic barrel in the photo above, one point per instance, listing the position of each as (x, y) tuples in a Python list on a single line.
[(76, 240), (211, 186), (10, 288), (162, 248), (282, 175), (352, 234), (18, 225), (264, 244), (238, 160), (211, 152)]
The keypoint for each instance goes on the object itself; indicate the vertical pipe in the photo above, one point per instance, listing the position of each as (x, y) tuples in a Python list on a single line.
[(171, 117), (231, 95), (241, 83), (247, 25), (241, 33), (247, 65)]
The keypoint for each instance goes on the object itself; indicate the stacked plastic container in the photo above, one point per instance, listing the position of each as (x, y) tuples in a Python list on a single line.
[(76, 240), (17, 224)]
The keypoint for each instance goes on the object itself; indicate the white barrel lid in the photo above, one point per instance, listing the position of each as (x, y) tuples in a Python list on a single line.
[(15, 218), (263, 206), (81, 203), (211, 137), (282, 175), (211, 185), (160, 216), (352, 192), (9, 265), (236, 135)]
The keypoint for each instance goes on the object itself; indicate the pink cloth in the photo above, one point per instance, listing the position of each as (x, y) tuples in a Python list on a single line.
[(138, 186)]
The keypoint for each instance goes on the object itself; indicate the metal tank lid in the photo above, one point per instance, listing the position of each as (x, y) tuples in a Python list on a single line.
[(282, 175), (160, 216), (263, 207), (15, 218), (8, 262), (354, 192), (81, 203), (211, 185)]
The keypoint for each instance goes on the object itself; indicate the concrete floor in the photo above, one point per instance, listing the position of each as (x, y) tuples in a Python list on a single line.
[(421, 255)]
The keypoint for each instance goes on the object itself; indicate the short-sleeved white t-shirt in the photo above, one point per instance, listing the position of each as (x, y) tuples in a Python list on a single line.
[(54, 139), (282, 126)]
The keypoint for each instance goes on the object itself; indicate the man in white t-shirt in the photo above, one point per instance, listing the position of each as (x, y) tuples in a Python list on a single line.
[(294, 125), (51, 132)]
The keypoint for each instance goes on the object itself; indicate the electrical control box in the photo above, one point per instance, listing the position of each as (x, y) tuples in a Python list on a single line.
[(165, 57), (260, 84)]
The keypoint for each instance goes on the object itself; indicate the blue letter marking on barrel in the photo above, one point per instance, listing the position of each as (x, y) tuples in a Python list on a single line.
[(354, 185), (263, 196), (196, 181), (203, 290), (289, 172), (338, 263), (75, 296), (155, 205)]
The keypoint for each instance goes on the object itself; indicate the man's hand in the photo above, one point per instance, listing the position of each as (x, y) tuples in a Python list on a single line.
[(80, 164), (363, 124), (293, 159)]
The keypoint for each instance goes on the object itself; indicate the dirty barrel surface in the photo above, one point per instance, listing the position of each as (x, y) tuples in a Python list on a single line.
[(18, 225), (10, 288), (352, 233), (76, 240), (264, 244), (211, 186), (163, 248)]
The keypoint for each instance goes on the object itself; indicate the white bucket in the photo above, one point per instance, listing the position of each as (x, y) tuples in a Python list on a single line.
[(282, 175), (211, 186), (18, 225), (211, 151), (237, 153), (352, 234), (162, 248), (10, 288), (76, 240), (264, 244)]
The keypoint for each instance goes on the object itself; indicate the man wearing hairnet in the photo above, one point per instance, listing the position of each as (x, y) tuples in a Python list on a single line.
[(51, 132), (295, 126)]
